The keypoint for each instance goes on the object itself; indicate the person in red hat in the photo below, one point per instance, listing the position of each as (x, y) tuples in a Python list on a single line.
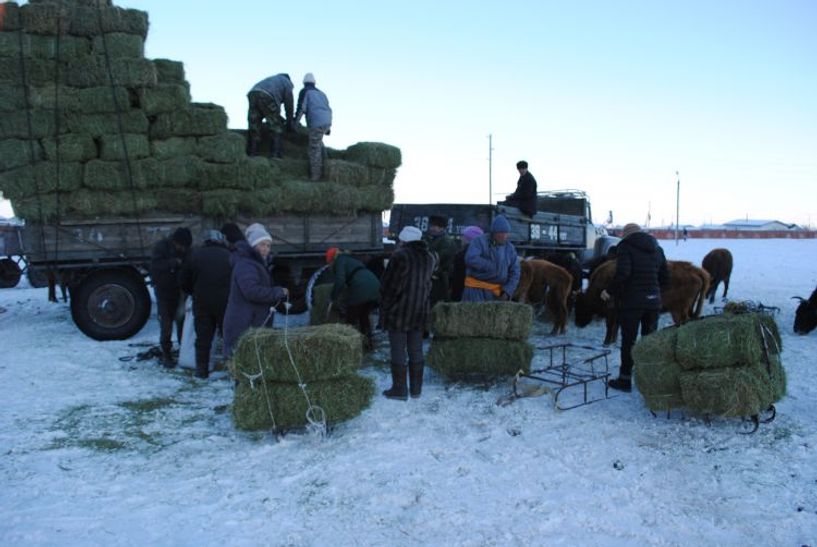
[(356, 292)]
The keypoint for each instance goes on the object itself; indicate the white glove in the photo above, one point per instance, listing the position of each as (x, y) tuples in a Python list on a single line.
[(605, 295)]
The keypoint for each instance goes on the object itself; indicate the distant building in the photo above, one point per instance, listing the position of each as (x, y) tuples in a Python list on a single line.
[(760, 225)]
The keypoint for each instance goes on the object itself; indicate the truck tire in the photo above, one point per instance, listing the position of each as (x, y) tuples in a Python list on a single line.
[(110, 304), (10, 273), (37, 277)]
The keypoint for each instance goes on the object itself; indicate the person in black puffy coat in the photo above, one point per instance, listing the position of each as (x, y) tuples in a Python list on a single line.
[(641, 271), (165, 264)]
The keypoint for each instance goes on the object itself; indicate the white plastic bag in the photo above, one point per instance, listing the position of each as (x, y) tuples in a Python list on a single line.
[(187, 351)]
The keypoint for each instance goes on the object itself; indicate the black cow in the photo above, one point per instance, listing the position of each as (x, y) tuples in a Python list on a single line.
[(805, 318), (718, 263)]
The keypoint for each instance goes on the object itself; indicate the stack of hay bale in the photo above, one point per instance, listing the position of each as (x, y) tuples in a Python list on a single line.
[(327, 359), (478, 341), (723, 365), (321, 296), (90, 128)]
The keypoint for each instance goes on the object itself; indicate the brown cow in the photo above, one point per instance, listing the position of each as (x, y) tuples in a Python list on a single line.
[(543, 281), (683, 298), (718, 264)]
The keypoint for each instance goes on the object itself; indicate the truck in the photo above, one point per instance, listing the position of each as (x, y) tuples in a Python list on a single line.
[(562, 226)]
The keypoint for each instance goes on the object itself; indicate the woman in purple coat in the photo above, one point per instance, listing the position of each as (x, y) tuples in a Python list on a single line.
[(251, 291)]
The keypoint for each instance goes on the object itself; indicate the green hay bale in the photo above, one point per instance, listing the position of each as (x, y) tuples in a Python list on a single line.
[(322, 352), (224, 204), (733, 391), (119, 147), (11, 17), (220, 176), (178, 172), (19, 152), (503, 320), (169, 72), (224, 148), (319, 197), (199, 120), (374, 154), (41, 177), (71, 147), (85, 21), (375, 198), (97, 125), (89, 204), (292, 169), (37, 71), (119, 45), (479, 358), (103, 100), (113, 175), (346, 172), (42, 47), (259, 203), (163, 98), (656, 371), (720, 341), (92, 71), (15, 125), (382, 177), (41, 97), (179, 200), (43, 18), (321, 295), (173, 147), (341, 400)]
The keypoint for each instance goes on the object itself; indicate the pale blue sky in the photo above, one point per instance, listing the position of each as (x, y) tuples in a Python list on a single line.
[(609, 97)]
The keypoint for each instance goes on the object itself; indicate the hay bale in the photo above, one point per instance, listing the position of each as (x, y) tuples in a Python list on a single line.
[(382, 177), (42, 47), (120, 147), (199, 120), (97, 125), (113, 175), (15, 125), (304, 196), (102, 100), (177, 172), (346, 172), (374, 154), (720, 341), (292, 169), (40, 97), (89, 204), (503, 320), (221, 204), (92, 71), (225, 148), (479, 358), (179, 200), (246, 174), (173, 147), (163, 98), (321, 295), (732, 391), (37, 71), (375, 198), (71, 147), (11, 16), (19, 152), (119, 45), (40, 178), (85, 21), (656, 371), (169, 72), (43, 18), (341, 399), (322, 352), (260, 203)]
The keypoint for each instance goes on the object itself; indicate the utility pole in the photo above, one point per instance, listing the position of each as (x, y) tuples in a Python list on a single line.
[(490, 169), (677, 204)]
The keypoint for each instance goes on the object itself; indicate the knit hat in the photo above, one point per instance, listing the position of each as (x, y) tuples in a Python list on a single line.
[(309, 78), (500, 224), (522, 164), (182, 236), (232, 232), (410, 233), (630, 229), (213, 235), (331, 253), (471, 232), (256, 233)]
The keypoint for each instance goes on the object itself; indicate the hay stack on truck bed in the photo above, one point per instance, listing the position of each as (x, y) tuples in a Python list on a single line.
[(562, 224)]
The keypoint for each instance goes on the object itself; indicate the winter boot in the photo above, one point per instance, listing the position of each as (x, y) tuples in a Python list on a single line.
[(622, 383), (202, 370), (415, 379), (167, 359), (398, 383)]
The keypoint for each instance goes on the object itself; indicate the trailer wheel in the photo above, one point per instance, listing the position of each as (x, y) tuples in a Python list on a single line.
[(10, 273), (110, 304)]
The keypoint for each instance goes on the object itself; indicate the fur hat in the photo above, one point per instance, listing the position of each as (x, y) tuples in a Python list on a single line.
[(500, 224), (182, 236), (410, 233), (522, 164), (309, 78), (256, 233), (471, 232), (630, 229), (331, 253)]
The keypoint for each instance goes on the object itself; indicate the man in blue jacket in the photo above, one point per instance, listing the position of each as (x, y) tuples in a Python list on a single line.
[(491, 265), (313, 102), (265, 100)]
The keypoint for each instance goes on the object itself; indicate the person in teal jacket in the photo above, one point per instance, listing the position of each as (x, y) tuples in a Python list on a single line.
[(362, 291)]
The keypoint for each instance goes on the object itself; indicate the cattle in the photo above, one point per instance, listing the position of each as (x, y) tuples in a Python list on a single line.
[(683, 297), (805, 318), (541, 281), (718, 264)]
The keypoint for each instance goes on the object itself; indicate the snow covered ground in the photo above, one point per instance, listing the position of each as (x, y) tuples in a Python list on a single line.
[(97, 451)]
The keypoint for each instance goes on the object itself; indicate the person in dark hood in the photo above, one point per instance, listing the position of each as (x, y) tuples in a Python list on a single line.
[(641, 271), (252, 294), (404, 308), (206, 276), (232, 234), (445, 247), (524, 198), (362, 291), (165, 263), (458, 266)]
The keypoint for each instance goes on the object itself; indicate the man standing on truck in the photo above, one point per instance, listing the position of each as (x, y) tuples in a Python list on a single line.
[(165, 264), (524, 198), (444, 245), (491, 266), (313, 102), (265, 100)]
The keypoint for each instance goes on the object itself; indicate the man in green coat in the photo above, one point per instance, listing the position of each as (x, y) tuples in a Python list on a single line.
[(362, 291), (444, 246)]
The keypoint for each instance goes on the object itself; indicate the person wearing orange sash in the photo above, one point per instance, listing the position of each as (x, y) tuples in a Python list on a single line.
[(491, 265)]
